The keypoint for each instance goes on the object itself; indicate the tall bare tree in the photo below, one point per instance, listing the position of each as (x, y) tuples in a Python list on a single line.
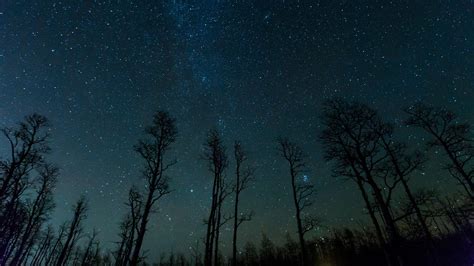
[(153, 150), (50, 259), (215, 155), (44, 248), (74, 231), (302, 190), (27, 145), (38, 212), (352, 143), (453, 137), (221, 219), (88, 255), (128, 227), (242, 179), (403, 165)]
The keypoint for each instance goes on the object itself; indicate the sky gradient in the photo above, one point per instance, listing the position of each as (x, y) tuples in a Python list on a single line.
[(256, 70)]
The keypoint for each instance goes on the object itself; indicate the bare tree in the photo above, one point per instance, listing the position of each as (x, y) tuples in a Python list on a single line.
[(302, 190), (153, 150), (451, 136), (242, 179), (121, 255), (352, 143), (224, 192), (50, 259), (403, 165), (38, 211), (74, 231), (27, 144), (215, 155), (96, 257), (128, 227), (459, 215), (405, 213), (87, 255), (45, 246)]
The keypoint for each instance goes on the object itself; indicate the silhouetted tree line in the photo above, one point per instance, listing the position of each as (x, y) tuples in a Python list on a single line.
[(408, 225)]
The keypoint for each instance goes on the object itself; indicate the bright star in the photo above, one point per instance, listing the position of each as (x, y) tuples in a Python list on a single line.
[(305, 178)]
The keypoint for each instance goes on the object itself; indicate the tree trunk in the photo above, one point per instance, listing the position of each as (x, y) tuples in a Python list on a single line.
[(211, 225), (217, 232), (390, 259), (142, 230), (65, 250), (390, 226), (304, 254), (236, 212), (33, 219), (459, 168)]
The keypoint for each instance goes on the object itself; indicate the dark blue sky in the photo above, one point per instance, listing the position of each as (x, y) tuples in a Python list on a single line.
[(254, 69)]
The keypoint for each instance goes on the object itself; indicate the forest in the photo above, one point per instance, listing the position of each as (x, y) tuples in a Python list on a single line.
[(407, 226)]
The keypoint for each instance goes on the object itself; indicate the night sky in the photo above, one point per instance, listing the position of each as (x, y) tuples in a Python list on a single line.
[(256, 70)]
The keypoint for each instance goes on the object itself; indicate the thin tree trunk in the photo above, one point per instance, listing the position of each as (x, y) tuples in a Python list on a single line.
[(53, 250), (129, 247), (210, 226), (44, 246), (217, 230), (142, 230), (459, 168), (391, 228), (236, 213), (64, 252), (73, 233), (390, 259), (421, 218), (27, 232), (304, 253)]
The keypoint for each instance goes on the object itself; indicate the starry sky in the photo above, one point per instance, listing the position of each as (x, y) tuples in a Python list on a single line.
[(255, 70)]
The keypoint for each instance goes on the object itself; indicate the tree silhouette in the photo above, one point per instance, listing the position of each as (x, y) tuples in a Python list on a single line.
[(128, 227), (88, 256), (224, 191), (56, 248), (301, 190), (38, 212), (44, 248), (215, 155), (153, 150), (451, 136), (356, 139), (242, 179), (27, 145), (352, 143), (459, 215), (403, 165), (74, 232)]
